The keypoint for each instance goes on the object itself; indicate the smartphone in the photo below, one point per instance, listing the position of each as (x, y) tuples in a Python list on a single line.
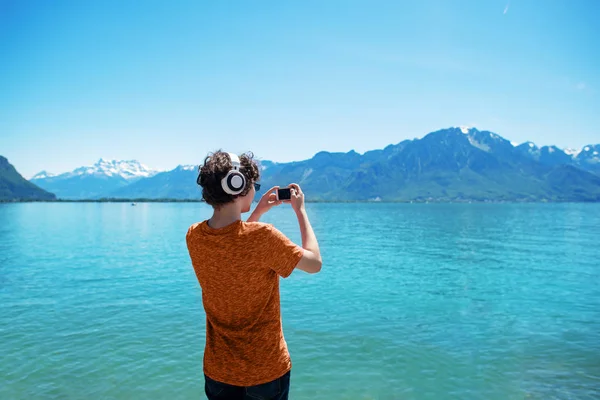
[(284, 194)]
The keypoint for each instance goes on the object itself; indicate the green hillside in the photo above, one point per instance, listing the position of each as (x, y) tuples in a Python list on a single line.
[(13, 187)]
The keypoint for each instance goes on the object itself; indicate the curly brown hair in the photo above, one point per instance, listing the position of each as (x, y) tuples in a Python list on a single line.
[(215, 168)]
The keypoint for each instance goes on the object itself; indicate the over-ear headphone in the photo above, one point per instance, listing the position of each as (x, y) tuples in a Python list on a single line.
[(234, 182)]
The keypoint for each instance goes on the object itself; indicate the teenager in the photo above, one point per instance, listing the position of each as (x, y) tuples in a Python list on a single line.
[(238, 265)]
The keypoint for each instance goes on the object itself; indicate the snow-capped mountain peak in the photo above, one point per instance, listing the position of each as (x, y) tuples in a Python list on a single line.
[(186, 168), (590, 154), (129, 170), (43, 175), (572, 152), (531, 147), (487, 141)]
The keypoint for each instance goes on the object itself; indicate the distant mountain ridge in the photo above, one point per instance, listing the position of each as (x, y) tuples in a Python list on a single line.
[(589, 158), (13, 187), (126, 169), (454, 164), (93, 181), (179, 183)]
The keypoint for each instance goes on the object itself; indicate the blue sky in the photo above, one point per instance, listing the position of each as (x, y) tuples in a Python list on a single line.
[(165, 82)]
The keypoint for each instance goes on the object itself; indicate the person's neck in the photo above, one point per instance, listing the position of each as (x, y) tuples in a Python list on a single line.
[(224, 216)]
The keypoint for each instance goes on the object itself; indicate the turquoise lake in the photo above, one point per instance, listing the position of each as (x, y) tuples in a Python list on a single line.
[(415, 301)]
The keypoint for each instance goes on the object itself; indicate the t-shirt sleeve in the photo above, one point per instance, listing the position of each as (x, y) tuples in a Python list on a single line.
[(188, 235), (285, 254)]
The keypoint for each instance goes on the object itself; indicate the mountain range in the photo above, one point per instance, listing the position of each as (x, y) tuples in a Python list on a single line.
[(454, 164), (106, 176), (14, 187)]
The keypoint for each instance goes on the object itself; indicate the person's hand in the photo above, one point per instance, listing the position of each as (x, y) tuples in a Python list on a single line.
[(267, 201), (297, 198)]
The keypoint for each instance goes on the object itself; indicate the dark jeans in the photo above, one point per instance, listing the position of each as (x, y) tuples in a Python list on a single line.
[(278, 389)]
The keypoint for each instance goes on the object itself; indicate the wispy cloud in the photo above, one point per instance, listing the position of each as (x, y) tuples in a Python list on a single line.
[(506, 8), (581, 86)]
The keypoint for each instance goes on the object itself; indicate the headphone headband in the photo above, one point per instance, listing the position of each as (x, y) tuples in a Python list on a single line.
[(235, 160)]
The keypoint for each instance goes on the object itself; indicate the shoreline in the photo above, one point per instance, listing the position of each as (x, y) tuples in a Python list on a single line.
[(427, 201)]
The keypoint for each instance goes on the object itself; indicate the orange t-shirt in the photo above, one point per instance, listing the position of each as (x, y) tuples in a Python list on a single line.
[(238, 268)]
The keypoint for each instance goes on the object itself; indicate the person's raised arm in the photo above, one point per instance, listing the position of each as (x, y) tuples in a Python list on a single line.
[(267, 201), (311, 261)]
